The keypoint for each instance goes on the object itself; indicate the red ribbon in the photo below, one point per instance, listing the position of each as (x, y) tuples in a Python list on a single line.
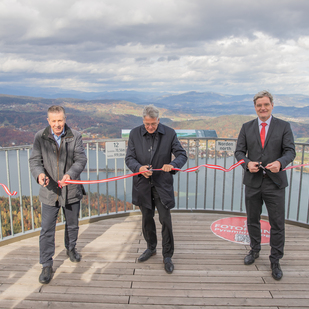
[(294, 166), (7, 190), (188, 170)]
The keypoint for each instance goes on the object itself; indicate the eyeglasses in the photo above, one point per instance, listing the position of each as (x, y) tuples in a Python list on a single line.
[(147, 125)]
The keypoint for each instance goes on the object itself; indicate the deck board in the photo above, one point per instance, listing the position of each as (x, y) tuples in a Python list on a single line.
[(209, 271)]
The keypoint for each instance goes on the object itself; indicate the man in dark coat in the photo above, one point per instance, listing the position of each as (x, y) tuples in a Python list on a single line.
[(57, 155), (267, 146), (151, 146)]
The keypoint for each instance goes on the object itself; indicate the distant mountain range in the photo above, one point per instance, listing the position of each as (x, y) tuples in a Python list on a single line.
[(104, 117), (196, 103)]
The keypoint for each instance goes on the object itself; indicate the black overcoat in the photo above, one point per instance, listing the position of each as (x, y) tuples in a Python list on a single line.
[(144, 149)]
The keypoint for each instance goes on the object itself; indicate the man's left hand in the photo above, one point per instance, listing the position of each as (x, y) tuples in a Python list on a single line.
[(167, 167), (62, 181), (274, 167)]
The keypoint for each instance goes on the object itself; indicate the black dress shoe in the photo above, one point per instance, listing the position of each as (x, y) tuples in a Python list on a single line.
[(46, 275), (74, 256), (146, 255), (276, 271), (250, 258), (168, 265)]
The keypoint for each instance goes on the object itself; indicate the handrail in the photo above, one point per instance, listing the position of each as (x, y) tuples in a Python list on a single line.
[(203, 190)]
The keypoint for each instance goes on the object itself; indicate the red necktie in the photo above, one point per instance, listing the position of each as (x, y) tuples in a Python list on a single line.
[(262, 134)]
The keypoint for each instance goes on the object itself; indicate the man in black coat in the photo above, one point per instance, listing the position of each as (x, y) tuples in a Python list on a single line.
[(267, 146), (151, 146)]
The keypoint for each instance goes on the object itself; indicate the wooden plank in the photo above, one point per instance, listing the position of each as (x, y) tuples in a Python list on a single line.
[(77, 298), (153, 292), (220, 301)]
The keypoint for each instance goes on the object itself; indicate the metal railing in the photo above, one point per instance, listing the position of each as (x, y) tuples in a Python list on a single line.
[(203, 190)]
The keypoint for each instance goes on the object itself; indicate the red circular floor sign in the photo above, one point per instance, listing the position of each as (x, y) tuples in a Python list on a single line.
[(234, 229)]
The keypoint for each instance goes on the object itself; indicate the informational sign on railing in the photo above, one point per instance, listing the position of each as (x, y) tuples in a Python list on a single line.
[(225, 146), (115, 150)]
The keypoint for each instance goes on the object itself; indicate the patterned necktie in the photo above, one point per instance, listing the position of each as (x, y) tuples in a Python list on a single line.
[(262, 134)]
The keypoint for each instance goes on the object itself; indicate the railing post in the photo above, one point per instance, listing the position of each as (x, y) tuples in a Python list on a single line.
[(20, 192), (300, 182), (106, 166), (196, 172), (88, 178), (205, 179), (233, 181), (124, 187), (290, 193), (223, 186), (116, 198), (188, 165), (215, 179), (97, 166), (9, 187), (30, 189)]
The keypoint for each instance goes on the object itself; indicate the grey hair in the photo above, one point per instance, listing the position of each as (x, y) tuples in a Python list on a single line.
[(150, 111), (262, 94), (56, 109)]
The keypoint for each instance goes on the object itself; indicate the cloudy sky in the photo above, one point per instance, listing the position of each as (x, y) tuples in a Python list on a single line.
[(225, 46)]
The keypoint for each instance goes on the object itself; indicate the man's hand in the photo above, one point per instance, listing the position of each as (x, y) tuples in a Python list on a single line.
[(253, 167), (167, 167), (145, 168), (62, 181), (43, 180), (274, 167)]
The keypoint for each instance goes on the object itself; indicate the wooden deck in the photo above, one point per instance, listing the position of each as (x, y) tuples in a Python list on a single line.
[(209, 271)]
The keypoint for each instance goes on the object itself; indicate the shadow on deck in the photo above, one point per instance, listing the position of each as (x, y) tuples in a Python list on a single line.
[(209, 271)]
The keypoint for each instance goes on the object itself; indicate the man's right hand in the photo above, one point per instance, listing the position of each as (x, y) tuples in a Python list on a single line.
[(43, 180), (145, 168), (253, 167)]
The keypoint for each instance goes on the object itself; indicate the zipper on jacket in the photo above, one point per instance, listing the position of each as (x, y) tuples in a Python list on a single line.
[(58, 154)]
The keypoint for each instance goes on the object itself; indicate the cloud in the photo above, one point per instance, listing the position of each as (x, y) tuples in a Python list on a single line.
[(172, 45)]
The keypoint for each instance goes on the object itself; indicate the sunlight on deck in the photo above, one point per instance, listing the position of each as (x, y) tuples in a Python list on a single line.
[(209, 271)]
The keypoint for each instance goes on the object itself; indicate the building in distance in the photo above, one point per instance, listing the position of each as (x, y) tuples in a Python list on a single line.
[(182, 133)]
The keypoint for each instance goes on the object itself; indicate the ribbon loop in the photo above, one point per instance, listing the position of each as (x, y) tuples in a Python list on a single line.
[(7, 190)]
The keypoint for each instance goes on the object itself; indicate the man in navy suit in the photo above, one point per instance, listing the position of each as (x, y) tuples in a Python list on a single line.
[(266, 144)]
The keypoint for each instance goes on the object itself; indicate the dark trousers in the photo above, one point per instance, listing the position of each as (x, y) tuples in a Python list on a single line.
[(47, 236), (274, 199), (149, 226)]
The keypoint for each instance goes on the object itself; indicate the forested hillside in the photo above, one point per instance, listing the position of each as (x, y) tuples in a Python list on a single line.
[(22, 117)]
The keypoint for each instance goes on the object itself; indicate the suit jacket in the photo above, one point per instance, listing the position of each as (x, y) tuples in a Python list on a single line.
[(279, 146), (157, 150)]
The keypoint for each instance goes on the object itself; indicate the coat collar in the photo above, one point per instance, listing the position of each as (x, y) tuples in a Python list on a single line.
[(47, 134)]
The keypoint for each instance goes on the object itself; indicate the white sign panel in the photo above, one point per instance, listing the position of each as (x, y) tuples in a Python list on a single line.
[(115, 150), (225, 146)]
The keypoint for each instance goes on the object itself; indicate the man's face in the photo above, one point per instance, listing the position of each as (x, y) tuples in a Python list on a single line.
[(57, 122), (151, 124), (263, 108)]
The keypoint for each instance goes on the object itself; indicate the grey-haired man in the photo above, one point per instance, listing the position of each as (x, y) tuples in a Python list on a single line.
[(151, 145)]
